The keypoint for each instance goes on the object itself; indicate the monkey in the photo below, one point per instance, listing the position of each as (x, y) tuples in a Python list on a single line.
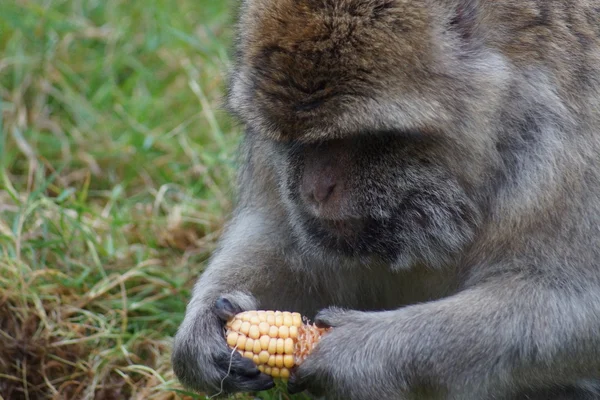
[(422, 176)]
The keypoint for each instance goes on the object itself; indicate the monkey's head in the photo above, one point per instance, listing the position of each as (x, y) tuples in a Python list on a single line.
[(382, 116)]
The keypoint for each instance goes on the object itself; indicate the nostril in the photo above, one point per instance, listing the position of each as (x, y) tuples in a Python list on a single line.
[(323, 189)]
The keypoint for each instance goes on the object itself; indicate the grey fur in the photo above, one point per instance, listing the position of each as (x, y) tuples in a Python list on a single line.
[(458, 255)]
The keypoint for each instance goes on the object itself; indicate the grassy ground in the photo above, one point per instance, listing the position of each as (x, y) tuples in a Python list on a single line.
[(115, 179)]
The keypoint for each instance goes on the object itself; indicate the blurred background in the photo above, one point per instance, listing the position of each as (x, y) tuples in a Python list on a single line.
[(116, 176)]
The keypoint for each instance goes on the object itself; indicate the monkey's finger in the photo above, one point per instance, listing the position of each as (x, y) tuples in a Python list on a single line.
[(255, 384), (332, 317), (235, 364), (294, 385), (298, 384), (225, 309)]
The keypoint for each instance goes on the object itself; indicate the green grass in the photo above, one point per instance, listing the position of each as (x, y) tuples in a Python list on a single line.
[(116, 166)]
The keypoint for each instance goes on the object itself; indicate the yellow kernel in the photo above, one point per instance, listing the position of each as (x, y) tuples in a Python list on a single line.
[(275, 372), (249, 354), (271, 319), (254, 332), (271, 361), (287, 319), (249, 344), (279, 360), (262, 316), (270, 312), (273, 331), (263, 327), (284, 373), (297, 319), (264, 342), (280, 346), (257, 348), (287, 314), (245, 316), (245, 328), (284, 332), (232, 338), (272, 346), (288, 346), (288, 361), (263, 357), (278, 320), (261, 368), (241, 342), (254, 320), (294, 332), (255, 358), (268, 370), (235, 326)]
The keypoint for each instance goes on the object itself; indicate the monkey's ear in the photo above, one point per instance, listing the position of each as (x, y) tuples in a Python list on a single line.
[(464, 17)]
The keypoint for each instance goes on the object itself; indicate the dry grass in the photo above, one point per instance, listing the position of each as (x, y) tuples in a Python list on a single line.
[(115, 179)]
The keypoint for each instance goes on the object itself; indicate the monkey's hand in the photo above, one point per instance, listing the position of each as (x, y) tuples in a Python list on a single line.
[(352, 361), (203, 361)]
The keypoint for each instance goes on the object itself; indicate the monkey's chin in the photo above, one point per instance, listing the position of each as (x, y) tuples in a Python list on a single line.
[(343, 229), (341, 236)]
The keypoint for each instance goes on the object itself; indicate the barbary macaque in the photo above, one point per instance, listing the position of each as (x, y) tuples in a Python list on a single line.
[(423, 176)]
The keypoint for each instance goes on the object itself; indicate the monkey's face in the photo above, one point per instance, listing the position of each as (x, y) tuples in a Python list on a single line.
[(321, 80), (388, 196)]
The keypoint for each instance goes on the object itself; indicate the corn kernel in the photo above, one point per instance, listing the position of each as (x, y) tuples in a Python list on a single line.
[(232, 339), (271, 361), (273, 331), (279, 361), (236, 325), (288, 361), (245, 328), (254, 332), (284, 332), (275, 372), (264, 342), (280, 346), (288, 346), (257, 348), (241, 342), (263, 327), (297, 319), (263, 357), (272, 346)]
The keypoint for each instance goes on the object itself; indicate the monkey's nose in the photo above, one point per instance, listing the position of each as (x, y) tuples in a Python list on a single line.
[(318, 186)]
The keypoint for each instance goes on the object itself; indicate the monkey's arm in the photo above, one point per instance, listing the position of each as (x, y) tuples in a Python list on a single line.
[(512, 333), (246, 272)]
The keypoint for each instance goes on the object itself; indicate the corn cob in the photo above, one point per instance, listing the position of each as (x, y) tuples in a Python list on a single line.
[(276, 341)]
